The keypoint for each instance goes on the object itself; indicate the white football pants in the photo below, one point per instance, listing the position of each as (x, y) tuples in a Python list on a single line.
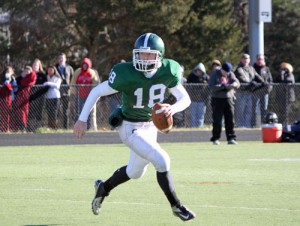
[(141, 138)]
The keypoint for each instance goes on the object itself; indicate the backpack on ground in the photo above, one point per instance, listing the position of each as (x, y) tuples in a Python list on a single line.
[(291, 133)]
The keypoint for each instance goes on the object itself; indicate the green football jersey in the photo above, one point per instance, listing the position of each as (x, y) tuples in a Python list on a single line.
[(139, 94)]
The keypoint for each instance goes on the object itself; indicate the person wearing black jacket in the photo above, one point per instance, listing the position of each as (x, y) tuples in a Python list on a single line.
[(198, 92), (286, 93), (261, 93), (37, 98), (223, 83)]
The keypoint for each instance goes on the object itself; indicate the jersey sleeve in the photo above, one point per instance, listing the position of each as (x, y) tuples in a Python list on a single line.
[(176, 72), (114, 80), (117, 75)]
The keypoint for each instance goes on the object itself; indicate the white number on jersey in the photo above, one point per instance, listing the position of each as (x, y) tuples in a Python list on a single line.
[(158, 88), (112, 76)]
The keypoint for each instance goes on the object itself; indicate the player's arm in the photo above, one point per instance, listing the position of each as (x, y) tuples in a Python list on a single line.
[(103, 89), (182, 97)]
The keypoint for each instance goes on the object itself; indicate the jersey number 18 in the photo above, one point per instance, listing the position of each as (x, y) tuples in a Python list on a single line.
[(156, 92)]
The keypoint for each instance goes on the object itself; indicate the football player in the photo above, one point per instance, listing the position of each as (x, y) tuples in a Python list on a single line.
[(142, 83)]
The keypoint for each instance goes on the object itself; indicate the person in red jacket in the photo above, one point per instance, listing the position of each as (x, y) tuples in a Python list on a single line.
[(5, 105), (7, 86), (85, 78), (20, 112)]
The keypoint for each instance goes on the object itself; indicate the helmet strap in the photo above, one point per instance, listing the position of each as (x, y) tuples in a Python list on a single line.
[(150, 74)]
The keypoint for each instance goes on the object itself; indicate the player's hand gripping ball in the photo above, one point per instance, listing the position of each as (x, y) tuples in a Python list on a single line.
[(160, 120)]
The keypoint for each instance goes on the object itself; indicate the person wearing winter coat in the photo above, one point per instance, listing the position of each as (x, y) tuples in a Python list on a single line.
[(286, 95), (250, 80), (8, 86), (84, 79), (21, 106), (198, 91), (37, 98), (261, 93), (223, 85)]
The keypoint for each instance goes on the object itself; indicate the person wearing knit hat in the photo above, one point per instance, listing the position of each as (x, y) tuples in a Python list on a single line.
[(285, 95), (227, 67), (223, 84), (198, 94)]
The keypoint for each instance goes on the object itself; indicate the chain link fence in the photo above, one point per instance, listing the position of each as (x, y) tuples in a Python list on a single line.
[(31, 110)]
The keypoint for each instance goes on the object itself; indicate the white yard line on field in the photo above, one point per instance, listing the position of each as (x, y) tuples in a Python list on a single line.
[(276, 160), (159, 204), (201, 206), (39, 189)]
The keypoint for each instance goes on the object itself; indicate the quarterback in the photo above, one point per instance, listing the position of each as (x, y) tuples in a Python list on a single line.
[(142, 83)]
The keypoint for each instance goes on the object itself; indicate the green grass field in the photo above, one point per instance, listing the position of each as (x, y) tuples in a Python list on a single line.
[(248, 184)]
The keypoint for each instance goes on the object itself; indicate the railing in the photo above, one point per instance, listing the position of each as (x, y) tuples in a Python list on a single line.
[(31, 111)]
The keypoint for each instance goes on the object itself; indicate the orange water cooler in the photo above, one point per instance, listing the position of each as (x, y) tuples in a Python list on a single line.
[(271, 133)]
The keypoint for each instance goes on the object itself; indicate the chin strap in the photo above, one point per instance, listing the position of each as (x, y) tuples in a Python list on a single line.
[(150, 74)]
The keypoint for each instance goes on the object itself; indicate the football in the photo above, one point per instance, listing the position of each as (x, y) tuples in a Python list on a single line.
[(162, 123)]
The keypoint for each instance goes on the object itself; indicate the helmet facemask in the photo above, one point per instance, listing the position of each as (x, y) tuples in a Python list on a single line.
[(271, 118), (146, 66)]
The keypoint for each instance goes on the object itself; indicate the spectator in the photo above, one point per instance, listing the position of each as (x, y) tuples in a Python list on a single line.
[(198, 92), (85, 78), (53, 96), (249, 80), (37, 97), (66, 73), (10, 75), (223, 83), (20, 112), (216, 64), (261, 94), (8, 86), (286, 96)]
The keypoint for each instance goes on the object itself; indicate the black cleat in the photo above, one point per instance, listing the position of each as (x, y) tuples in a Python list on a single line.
[(183, 213), (100, 194)]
